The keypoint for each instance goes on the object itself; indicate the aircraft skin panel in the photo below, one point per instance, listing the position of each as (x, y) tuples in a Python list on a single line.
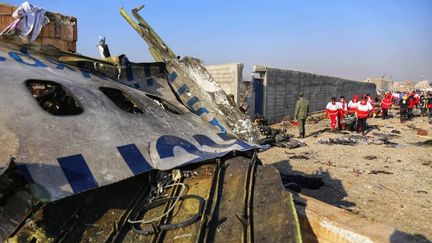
[(65, 155)]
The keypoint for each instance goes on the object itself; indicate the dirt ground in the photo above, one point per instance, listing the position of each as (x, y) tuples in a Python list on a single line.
[(388, 184)]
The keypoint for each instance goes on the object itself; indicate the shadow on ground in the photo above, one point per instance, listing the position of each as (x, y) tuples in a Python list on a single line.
[(332, 192)]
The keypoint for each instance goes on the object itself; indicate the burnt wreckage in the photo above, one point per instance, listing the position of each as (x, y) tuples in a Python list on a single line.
[(110, 151)]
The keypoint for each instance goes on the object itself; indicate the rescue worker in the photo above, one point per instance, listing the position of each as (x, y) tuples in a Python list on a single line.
[(301, 113), (352, 109), (352, 105), (403, 108), (411, 105), (343, 112), (369, 99), (332, 112), (386, 104), (396, 98), (364, 109), (416, 99)]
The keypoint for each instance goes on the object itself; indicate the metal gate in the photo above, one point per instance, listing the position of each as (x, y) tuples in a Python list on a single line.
[(259, 95)]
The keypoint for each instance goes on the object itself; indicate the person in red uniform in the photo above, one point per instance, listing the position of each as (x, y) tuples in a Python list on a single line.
[(364, 109), (343, 112), (352, 109), (332, 112), (416, 99), (386, 104), (352, 105), (411, 105)]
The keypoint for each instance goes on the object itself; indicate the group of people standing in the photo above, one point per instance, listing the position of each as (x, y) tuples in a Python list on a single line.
[(353, 115), (356, 109), (407, 101), (360, 110)]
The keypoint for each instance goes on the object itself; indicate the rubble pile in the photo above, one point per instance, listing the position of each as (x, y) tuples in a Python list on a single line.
[(379, 139)]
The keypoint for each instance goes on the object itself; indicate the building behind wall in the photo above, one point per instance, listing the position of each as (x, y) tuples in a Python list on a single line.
[(281, 87)]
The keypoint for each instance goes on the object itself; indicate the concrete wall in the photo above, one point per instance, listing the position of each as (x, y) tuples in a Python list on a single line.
[(281, 88), (229, 77)]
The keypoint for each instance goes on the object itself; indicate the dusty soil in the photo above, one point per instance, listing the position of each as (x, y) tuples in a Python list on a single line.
[(388, 184)]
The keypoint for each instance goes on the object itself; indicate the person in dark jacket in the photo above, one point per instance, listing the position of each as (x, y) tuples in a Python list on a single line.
[(301, 113), (429, 105), (403, 108), (423, 105)]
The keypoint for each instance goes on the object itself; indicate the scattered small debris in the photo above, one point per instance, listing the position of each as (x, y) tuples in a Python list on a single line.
[(397, 194), (427, 163), (329, 163), (395, 131), (358, 139), (421, 132), (412, 127), (357, 172), (385, 135), (291, 144), (375, 172), (341, 141), (299, 157)]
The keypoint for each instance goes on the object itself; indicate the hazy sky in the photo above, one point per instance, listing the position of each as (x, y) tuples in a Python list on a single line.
[(346, 38)]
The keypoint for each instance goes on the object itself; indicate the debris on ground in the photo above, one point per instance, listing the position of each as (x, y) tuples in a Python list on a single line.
[(375, 172), (421, 132), (299, 157), (395, 131), (357, 139), (291, 144), (275, 136), (369, 174)]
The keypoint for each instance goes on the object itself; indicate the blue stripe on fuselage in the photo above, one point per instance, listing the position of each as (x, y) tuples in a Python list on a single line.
[(77, 173), (134, 159)]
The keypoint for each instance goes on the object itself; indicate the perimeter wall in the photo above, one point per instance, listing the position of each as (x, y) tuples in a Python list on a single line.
[(281, 88)]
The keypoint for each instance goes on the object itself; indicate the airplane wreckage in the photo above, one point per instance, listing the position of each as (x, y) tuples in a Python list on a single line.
[(107, 150)]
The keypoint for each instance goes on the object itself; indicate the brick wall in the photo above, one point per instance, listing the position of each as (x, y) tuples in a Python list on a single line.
[(61, 32)]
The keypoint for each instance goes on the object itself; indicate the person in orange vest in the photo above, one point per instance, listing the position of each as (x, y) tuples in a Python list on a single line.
[(386, 104), (343, 112), (332, 112), (364, 109)]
